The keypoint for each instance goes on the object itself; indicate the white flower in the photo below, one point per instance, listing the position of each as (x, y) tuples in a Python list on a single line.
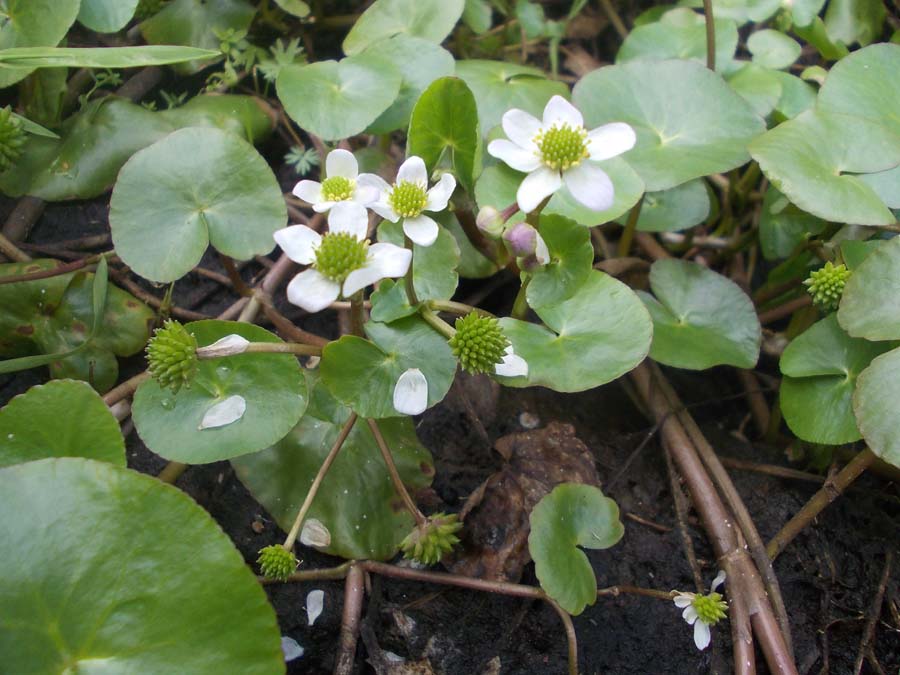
[(702, 611), (511, 365), (409, 196), (553, 151), (342, 261), (340, 190), (411, 392)]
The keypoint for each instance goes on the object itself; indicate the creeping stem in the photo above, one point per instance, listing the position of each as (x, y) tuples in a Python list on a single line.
[(421, 521)]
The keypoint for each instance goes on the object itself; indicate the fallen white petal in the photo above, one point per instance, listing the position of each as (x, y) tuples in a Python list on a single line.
[(315, 603), (514, 156), (610, 140), (298, 242), (309, 191), (512, 365), (701, 635), (537, 186), (559, 111), (411, 393), (223, 413), (439, 195), (314, 533), (521, 127), (226, 346), (312, 291), (590, 186), (290, 648), (413, 170), (342, 163), (350, 218), (385, 261), (421, 229)]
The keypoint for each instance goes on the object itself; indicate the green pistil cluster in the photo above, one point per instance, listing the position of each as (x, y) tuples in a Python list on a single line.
[(337, 189), (276, 562), (12, 138), (562, 147), (429, 543), (479, 343), (172, 356), (826, 285), (339, 254), (710, 608), (408, 199)]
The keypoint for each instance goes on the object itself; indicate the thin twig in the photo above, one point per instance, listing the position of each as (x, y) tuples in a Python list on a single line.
[(354, 589), (421, 521), (681, 509), (865, 644), (127, 388), (710, 35)]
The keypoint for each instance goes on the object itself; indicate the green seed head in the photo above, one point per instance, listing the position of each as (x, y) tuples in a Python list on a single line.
[(479, 344), (408, 199), (339, 254), (562, 147), (710, 608), (172, 356), (429, 543), (276, 562), (826, 285), (12, 138), (337, 189)]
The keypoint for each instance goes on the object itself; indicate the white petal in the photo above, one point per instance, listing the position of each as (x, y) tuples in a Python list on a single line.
[(514, 156), (375, 181), (559, 111), (341, 163), (511, 365), (682, 600), (298, 242), (590, 186), (225, 412), (314, 533), (290, 648), (421, 229), (439, 195), (414, 171), (690, 614), (701, 635), (411, 393), (309, 191), (610, 140), (366, 194), (537, 186), (384, 261), (541, 252), (315, 603), (718, 581), (312, 291), (351, 218), (323, 206), (226, 346), (521, 127), (383, 209)]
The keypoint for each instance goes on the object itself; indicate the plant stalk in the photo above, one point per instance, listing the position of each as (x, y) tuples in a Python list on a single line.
[(421, 520)]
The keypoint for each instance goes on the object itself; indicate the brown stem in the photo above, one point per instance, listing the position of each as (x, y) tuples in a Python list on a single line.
[(171, 472), (11, 251), (458, 308), (624, 589), (614, 18), (788, 308), (865, 643), (354, 589), (288, 330), (630, 227), (710, 35), (327, 574), (357, 314), (741, 635), (65, 268), (759, 409), (681, 509), (269, 348), (485, 246), (20, 221), (127, 388), (571, 637), (650, 246), (421, 521), (832, 489), (234, 275)]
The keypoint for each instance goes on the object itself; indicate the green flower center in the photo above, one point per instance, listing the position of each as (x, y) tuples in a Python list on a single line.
[(710, 608), (337, 189), (562, 147), (479, 343), (276, 562), (826, 285), (339, 254), (172, 356), (408, 199)]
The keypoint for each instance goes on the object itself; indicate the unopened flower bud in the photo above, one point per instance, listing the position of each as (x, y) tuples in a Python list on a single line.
[(226, 346), (430, 542), (826, 285), (521, 240), (490, 221)]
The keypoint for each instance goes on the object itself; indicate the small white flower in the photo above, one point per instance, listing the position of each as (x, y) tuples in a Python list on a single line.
[(553, 151), (411, 392), (342, 261), (409, 197), (511, 365), (340, 190), (711, 609)]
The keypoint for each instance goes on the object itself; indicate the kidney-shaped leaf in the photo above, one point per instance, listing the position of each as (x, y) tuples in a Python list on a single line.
[(271, 385), (571, 256), (865, 84), (689, 122), (193, 188), (870, 305), (570, 516), (875, 406), (106, 569), (700, 318), (675, 209), (106, 16), (429, 19)]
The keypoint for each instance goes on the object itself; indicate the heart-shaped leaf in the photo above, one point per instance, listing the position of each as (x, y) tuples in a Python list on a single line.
[(870, 305), (759, 86), (875, 406), (193, 188), (106, 16), (851, 21), (63, 418), (571, 516), (271, 385), (160, 588), (773, 49), (571, 257), (677, 208), (429, 19)]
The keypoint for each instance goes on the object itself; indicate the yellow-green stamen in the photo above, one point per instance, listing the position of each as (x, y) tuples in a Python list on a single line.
[(562, 146), (339, 254), (710, 608), (337, 189), (408, 199)]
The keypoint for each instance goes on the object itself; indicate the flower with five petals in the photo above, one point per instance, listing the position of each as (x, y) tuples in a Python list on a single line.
[(340, 190)]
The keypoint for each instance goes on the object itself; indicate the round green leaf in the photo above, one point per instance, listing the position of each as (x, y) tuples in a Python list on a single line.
[(870, 305), (852, 21), (271, 384), (106, 16), (804, 11), (429, 19), (570, 516), (193, 188), (109, 570), (434, 266), (63, 418), (419, 63), (773, 49), (820, 369), (886, 185), (356, 502), (337, 99), (700, 318), (362, 374), (811, 158), (875, 406), (677, 208), (689, 123), (500, 85), (33, 23), (797, 96), (600, 333), (759, 86), (782, 226), (571, 257)]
